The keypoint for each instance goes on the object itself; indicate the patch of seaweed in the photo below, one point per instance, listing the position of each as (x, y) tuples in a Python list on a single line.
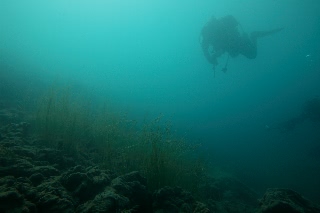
[(118, 143)]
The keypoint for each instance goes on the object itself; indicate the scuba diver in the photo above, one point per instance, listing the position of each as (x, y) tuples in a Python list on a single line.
[(310, 112), (222, 35)]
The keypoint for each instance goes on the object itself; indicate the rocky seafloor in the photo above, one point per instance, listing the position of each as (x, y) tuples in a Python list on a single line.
[(36, 178)]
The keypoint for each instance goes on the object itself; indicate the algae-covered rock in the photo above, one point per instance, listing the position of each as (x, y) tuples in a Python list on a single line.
[(286, 201), (176, 200), (126, 193)]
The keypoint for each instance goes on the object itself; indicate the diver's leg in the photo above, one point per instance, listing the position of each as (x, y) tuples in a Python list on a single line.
[(259, 34), (248, 47)]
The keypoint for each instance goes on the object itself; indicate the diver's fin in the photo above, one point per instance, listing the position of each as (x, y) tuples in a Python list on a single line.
[(260, 34)]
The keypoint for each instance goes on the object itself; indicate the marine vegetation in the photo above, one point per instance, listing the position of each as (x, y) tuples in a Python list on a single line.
[(117, 143)]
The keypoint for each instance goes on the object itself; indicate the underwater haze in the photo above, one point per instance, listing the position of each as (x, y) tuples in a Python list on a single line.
[(145, 58)]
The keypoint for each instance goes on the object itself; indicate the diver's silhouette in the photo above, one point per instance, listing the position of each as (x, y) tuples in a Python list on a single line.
[(222, 35), (310, 111)]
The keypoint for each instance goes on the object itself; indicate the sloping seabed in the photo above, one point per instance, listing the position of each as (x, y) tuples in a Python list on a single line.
[(72, 156)]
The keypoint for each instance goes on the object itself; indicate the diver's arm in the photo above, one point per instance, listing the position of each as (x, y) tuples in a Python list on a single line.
[(211, 58)]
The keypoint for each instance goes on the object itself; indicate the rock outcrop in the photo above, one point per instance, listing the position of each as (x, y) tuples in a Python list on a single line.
[(285, 201), (35, 178)]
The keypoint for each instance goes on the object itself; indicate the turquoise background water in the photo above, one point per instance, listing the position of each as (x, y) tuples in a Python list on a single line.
[(145, 58)]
